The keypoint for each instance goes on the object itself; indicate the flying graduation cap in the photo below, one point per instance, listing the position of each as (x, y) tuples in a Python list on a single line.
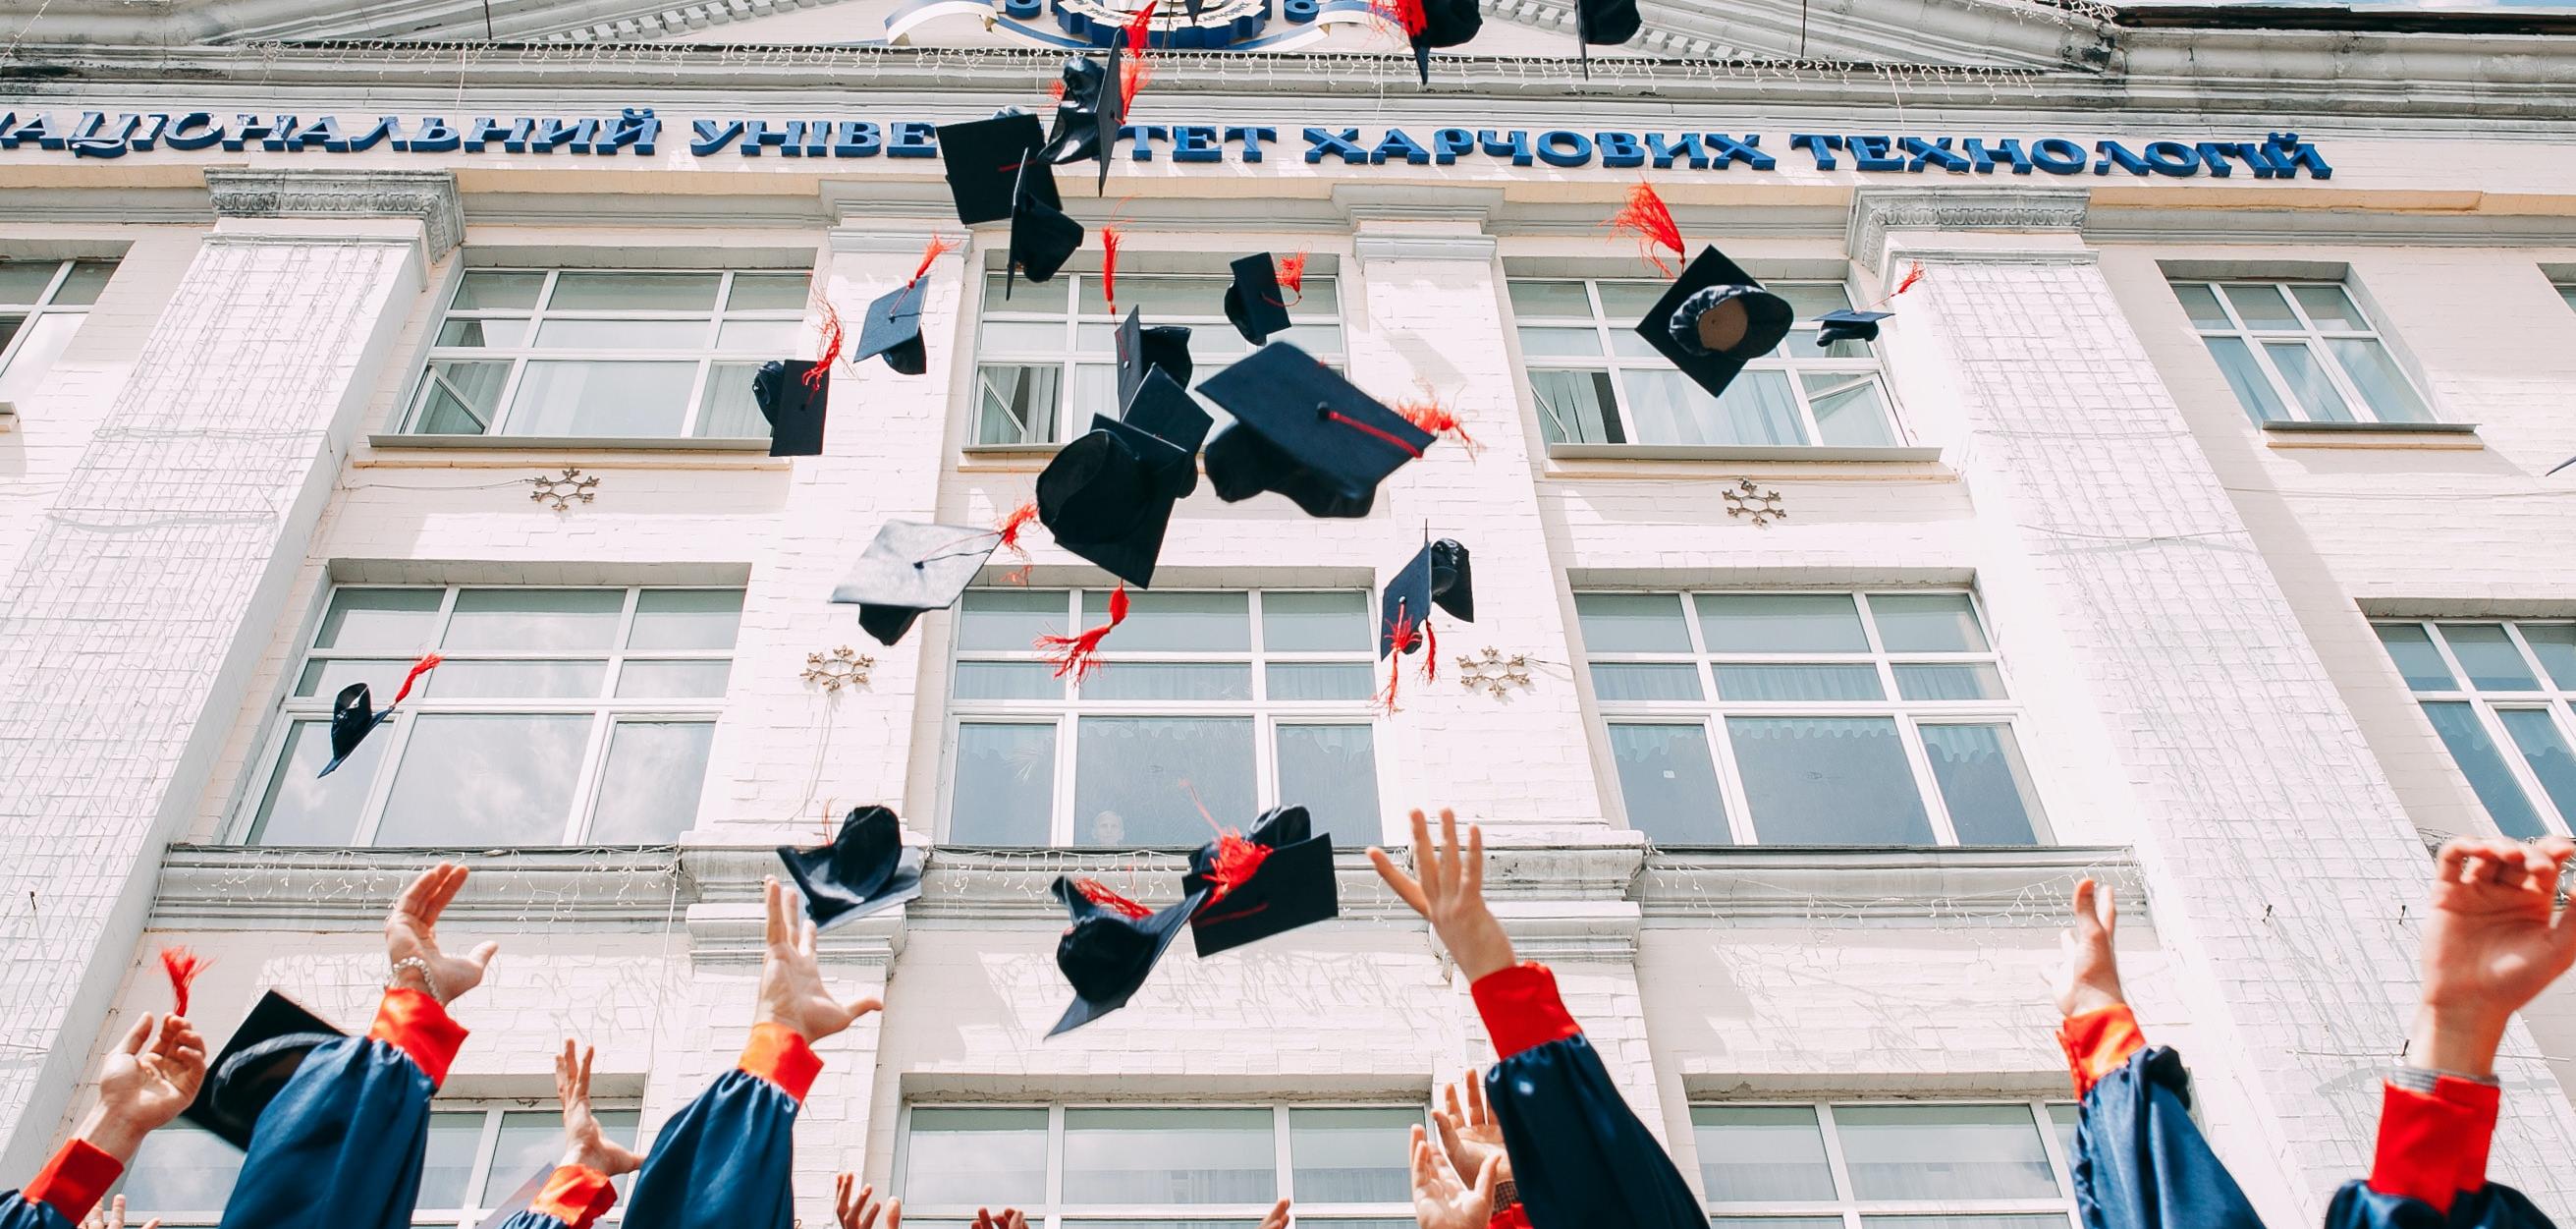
[(1605, 23), (255, 1065), (1272, 881), (793, 403), (1432, 23), (1846, 324), (911, 569), (354, 714), (866, 869), (1111, 947), (892, 326), (1042, 236), (1164, 347), (1436, 576), (983, 159), (1256, 302), (1714, 319), (1305, 432), (1074, 134), (1108, 496)]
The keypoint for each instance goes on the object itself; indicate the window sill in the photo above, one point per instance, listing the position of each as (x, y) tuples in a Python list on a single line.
[(1847, 883), (2293, 434), (1741, 452), (569, 443)]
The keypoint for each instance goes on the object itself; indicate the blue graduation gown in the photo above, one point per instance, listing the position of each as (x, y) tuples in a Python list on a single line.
[(1579, 1154), (64, 1190), (2140, 1161), (341, 1146), (2431, 1168), (572, 1198), (723, 1162)]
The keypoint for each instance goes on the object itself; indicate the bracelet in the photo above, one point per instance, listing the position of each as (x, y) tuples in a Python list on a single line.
[(429, 984), (1506, 1193)]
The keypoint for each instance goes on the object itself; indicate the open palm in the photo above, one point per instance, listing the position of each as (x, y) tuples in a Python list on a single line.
[(411, 933), (2496, 938), (1468, 1131), (1443, 1200), (792, 992), (147, 1080), (585, 1141)]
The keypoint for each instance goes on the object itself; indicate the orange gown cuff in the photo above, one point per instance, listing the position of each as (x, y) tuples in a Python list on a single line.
[(1521, 1009), (415, 1024), (2097, 1042), (2432, 1146), (74, 1180), (575, 1195), (780, 1055)]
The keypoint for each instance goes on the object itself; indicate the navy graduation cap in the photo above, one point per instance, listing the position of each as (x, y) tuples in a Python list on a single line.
[(254, 1065), (983, 160), (1305, 432), (1847, 324), (1437, 575), (910, 569), (892, 328), (1108, 496), (1075, 133), (866, 869), (1272, 881), (1714, 319), (1042, 236), (1142, 349), (1111, 947), (792, 394), (354, 714), (1256, 302)]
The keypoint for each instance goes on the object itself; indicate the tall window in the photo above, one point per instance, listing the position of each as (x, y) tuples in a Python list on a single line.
[(1158, 1167), (1808, 719), (561, 716), (2300, 351), (1036, 344), (582, 353), (2567, 291), (2499, 694), (1911, 1165), (1597, 382), (1229, 700), (42, 303)]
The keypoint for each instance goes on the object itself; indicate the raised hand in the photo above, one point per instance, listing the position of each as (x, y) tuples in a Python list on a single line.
[(2089, 980), (585, 1143), (1278, 1218), (411, 933), (144, 1084), (112, 1216), (2494, 940), (1468, 1132), (1007, 1218), (1451, 894), (1441, 1200), (857, 1205), (792, 992)]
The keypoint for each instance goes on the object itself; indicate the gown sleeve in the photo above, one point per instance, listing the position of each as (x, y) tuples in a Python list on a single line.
[(341, 1146), (64, 1190), (724, 1162), (1579, 1154), (574, 1197), (2140, 1161), (2431, 1166)]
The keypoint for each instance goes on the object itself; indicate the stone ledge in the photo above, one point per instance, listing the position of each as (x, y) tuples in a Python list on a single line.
[(426, 196), (406, 441), (2449, 436), (2006, 886), (1790, 453)]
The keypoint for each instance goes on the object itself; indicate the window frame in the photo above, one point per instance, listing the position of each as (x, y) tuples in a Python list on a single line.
[(2566, 288), (2313, 338), (1710, 713), (2487, 706), (45, 305), (1852, 1209), (606, 712)]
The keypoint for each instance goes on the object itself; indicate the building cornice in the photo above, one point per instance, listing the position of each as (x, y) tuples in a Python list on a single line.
[(428, 197), (2014, 886), (1998, 207)]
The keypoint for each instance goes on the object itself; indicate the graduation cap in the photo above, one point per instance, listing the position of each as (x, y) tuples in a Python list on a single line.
[(866, 868), (1305, 432), (1604, 22), (793, 404), (1276, 879), (1142, 349), (1042, 237), (892, 328), (354, 714), (1714, 319), (983, 160), (1255, 302), (254, 1066), (910, 569), (1108, 496), (1445, 23), (1075, 133), (1437, 575), (1111, 947), (1848, 325)]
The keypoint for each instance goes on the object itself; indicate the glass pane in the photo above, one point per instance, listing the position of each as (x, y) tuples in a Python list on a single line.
[(1828, 781), (1927, 623), (1780, 623), (727, 410), (1137, 680), (1808, 300), (656, 335), (490, 288), (1943, 1152), (1007, 680), (513, 680), (2261, 307), (1632, 622), (2544, 748), (1321, 681), (180, 1168), (485, 781), (364, 619), (2253, 388), (1616, 682), (1175, 622), (648, 791), (1159, 1156), (602, 397), (36, 354), (303, 809), (2062, 1118), (758, 292), (1331, 770), (1664, 407), (1977, 682), (2316, 394), (1047, 297), (479, 332), (9, 329), (1314, 622), (327, 677), (87, 279), (2477, 756), (1531, 298), (757, 336), (635, 292), (1322, 299), (1006, 620), (529, 1141), (1316, 339), (686, 619), (1984, 783), (979, 1157), (1628, 301), (1351, 1155), (2330, 309), (1850, 413), (2202, 304), (1577, 407), (454, 1139), (1775, 1222), (1166, 296), (526, 620), (1761, 1154), (2412, 648), (1538, 341), (1021, 337), (460, 398), (2049, 1221), (1142, 780), (1758, 408), (1004, 789), (1095, 392), (2555, 645), (1015, 404), (2374, 371), (1805, 682), (2488, 657), (23, 282), (1670, 784)]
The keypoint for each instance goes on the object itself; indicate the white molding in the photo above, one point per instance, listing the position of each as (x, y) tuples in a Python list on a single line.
[(1878, 211), (1372, 248), (1829, 886), (428, 197)]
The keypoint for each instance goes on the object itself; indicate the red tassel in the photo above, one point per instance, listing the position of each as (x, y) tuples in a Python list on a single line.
[(1426, 412), (1056, 91), (1913, 274), (183, 965), (1646, 217), (1099, 894), (1141, 30), (1292, 275), (1430, 652), (1405, 13), (1236, 862), (1400, 638), (829, 351), (939, 245), (418, 668), (1109, 238), (1078, 655), (1135, 67), (1373, 429), (1012, 525)]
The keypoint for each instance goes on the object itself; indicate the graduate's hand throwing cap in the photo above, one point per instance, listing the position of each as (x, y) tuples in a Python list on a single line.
[(866, 868), (1305, 432), (1714, 319), (983, 160), (254, 1065), (1111, 947), (1848, 325), (1256, 302), (793, 404), (910, 569), (1270, 881)]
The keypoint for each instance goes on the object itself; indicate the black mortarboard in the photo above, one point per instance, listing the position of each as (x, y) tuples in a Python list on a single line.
[(1164, 410), (893, 328), (1269, 882), (1108, 495), (793, 407), (911, 569), (1109, 951), (1141, 349), (1445, 23), (1436, 575), (1848, 325), (1253, 302), (1075, 132), (1714, 319), (1042, 238), (983, 160), (254, 1066), (1607, 22), (866, 868), (1305, 432), (354, 714)]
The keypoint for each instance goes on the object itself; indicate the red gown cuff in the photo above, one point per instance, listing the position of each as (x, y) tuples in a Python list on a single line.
[(2097, 1042), (781, 1056), (1513, 1217), (1521, 1009), (74, 1180), (415, 1024), (575, 1195), (2432, 1146)]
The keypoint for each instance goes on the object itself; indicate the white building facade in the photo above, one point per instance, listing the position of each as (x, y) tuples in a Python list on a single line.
[(2188, 526)]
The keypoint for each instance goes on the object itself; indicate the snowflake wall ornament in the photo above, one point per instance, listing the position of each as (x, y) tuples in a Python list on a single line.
[(1760, 503), (1493, 672), (838, 669), (574, 486)]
